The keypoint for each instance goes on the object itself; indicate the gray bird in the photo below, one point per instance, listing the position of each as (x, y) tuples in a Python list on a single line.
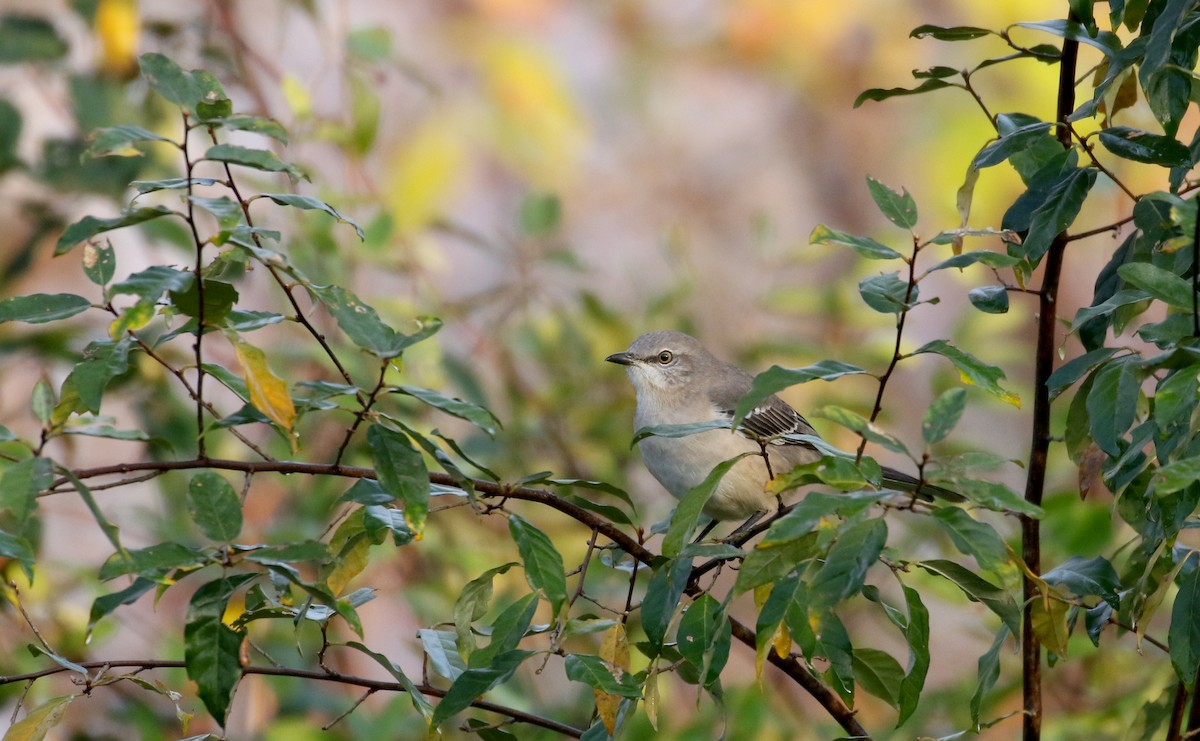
[(678, 382)]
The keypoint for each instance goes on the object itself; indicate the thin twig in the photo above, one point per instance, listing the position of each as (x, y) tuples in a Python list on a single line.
[(198, 346)]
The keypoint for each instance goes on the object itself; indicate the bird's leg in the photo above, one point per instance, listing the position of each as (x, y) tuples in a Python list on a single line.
[(707, 529), (749, 523), (762, 448)]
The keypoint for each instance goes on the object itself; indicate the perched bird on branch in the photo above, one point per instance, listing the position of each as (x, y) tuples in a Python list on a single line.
[(679, 382)]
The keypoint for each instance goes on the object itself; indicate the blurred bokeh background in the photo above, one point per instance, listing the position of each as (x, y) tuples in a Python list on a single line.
[(551, 178)]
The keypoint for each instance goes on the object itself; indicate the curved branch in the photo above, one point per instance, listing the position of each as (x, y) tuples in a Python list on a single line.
[(789, 666), (325, 676)]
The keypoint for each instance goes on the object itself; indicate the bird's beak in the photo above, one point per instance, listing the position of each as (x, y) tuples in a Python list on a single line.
[(620, 358)]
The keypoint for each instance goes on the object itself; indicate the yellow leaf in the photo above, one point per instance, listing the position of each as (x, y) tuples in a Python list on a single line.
[(650, 695), (615, 650), (1050, 624), (37, 724), (131, 320), (268, 393), (350, 562), (425, 172), (117, 28), (538, 129), (296, 96)]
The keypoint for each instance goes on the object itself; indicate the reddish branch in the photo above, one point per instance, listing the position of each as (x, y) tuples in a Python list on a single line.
[(1035, 483), (325, 676)]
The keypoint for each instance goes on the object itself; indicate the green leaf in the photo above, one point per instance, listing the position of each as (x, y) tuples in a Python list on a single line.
[(219, 299), (40, 308), (1013, 142), (878, 673), (775, 379), (845, 567), (255, 124), (151, 562), (210, 648), (1057, 212), (833, 643), (989, 672), (362, 324), (473, 683), (311, 204), (878, 93), (1176, 476), (117, 141), (899, 208), (1142, 146), (978, 589), (1159, 283), (1087, 576), (989, 299), (680, 430), (10, 134), (972, 537), (19, 549), (191, 91), (472, 604), (419, 702), (864, 246), (150, 284), (103, 361), (917, 634), (214, 506), (993, 495), (401, 472), (1184, 634), (1105, 41), (150, 186), (105, 604), (703, 637), (972, 370), (543, 563), (983, 257), (99, 262), (662, 597), (767, 563), (887, 293), (1075, 368), (90, 226), (943, 414), (21, 483), (510, 627), (473, 413), (540, 214), (807, 514), (949, 33), (595, 673), (441, 652), (258, 159), (26, 38), (687, 512), (1112, 403)]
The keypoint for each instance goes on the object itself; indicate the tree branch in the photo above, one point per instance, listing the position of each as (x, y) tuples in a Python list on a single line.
[(1035, 483), (324, 676)]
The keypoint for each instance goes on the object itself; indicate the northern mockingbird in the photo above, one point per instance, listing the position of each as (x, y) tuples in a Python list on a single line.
[(679, 382)]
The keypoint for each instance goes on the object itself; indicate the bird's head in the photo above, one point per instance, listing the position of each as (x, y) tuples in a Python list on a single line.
[(661, 360)]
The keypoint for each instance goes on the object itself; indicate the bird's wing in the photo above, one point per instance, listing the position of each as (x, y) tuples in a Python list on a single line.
[(770, 421)]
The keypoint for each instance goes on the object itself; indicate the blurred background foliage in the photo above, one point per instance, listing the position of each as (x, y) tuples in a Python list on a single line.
[(551, 179)]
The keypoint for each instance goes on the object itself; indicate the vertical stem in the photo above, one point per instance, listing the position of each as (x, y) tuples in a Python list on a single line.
[(196, 272), (1196, 272), (1031, 551)]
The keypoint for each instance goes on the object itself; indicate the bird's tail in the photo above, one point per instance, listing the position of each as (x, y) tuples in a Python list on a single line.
[(924, 490)]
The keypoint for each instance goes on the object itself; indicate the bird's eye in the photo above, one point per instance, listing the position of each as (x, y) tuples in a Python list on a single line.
[(665, 357)]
